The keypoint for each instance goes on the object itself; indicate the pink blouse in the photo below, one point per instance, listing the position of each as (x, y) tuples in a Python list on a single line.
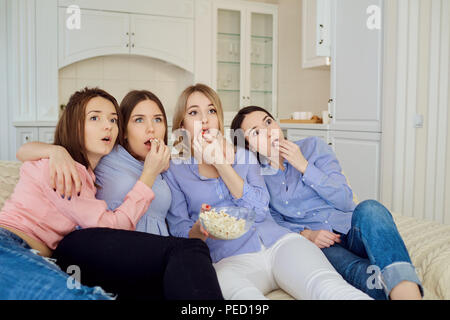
[(35, 209)]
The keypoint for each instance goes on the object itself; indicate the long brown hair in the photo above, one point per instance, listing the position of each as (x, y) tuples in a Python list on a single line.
[(129, 102), (69, 131)]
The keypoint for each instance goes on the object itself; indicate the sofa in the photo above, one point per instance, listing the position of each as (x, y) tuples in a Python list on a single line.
[(428, 243)]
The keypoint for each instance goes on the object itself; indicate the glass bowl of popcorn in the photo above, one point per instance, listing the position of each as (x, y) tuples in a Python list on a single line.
[(227, 223)]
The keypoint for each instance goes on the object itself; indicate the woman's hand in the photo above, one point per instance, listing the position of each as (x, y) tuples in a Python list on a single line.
[(156, 161), (321, 238), (214, 148), (63, 172), (292, 153), (197, 231)]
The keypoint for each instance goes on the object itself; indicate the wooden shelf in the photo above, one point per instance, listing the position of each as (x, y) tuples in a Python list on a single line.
[(301, 121)]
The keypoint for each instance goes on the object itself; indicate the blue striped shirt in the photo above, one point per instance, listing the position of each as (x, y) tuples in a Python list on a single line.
[(190, 190), (320, 199)]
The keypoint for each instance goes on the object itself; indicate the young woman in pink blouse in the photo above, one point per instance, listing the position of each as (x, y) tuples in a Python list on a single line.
[(36, 218)]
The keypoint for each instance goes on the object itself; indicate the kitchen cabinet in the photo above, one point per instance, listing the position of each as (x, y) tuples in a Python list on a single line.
[(245, 55), (101, 33), (356, 69), (316, 37), (359, 156), (296, 134), (354, 131), (29, 134), (106, 33), (175, 44)]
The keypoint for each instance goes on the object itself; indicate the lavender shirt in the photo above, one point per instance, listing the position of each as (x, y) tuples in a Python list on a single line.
[(116, 174), (189, 190), (319, 199)]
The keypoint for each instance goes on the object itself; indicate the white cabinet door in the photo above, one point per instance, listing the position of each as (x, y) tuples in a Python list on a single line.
[(297, 134), (26, 134), (359, 156), (316, 33), (100, 33), (168, 39), (46, 134), (356, 66)]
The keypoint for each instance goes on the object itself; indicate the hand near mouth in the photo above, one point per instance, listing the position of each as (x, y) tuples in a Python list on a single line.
[(292, 153), (213, 149)]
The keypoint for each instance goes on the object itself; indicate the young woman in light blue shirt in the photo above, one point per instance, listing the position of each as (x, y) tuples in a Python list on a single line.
[(310, 196), (206, 170)]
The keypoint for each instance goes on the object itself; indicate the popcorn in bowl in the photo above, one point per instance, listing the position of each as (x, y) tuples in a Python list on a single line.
[(227, 223)]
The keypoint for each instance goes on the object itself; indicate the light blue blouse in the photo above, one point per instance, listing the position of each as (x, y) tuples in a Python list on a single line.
[(320, 199), (116, 174), (190, 190)]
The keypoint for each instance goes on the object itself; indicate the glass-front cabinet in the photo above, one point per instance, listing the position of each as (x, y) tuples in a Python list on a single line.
[(245, 70)]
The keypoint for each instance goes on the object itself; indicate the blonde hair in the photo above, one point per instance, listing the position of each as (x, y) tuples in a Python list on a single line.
[(180, 107)]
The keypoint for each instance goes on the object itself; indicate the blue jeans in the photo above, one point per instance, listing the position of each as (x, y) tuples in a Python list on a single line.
[(372, 255), (24, 275)]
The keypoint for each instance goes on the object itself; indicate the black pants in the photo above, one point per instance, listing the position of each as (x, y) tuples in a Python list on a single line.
[(137, 265)]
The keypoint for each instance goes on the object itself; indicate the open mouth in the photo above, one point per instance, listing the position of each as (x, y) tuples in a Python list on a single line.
[(107, 139), (151, 141)]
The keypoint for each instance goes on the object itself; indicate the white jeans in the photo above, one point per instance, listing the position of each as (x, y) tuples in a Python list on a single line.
[(293, 264)]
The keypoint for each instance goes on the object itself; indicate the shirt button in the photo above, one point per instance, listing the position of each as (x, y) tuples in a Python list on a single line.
[(282, 183), (312, 186), (299, 213), (220, 197), (287, 202), (326, 221)]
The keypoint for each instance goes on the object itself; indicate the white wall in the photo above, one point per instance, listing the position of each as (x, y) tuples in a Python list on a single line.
[(416, 161), (4, 122), (120, 74)]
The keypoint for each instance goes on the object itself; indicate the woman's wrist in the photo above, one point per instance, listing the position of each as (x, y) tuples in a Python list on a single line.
[(305, 233), (148, 178), (302, 166)]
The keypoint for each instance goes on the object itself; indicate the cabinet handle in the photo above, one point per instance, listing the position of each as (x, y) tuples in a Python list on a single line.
[(330, 144), (127, 33), (132, 45), (132, 33), (127, 45), (321, 41)]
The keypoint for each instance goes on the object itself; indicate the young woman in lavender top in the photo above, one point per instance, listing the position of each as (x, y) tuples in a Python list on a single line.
[(310, 196), (268, 256)]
